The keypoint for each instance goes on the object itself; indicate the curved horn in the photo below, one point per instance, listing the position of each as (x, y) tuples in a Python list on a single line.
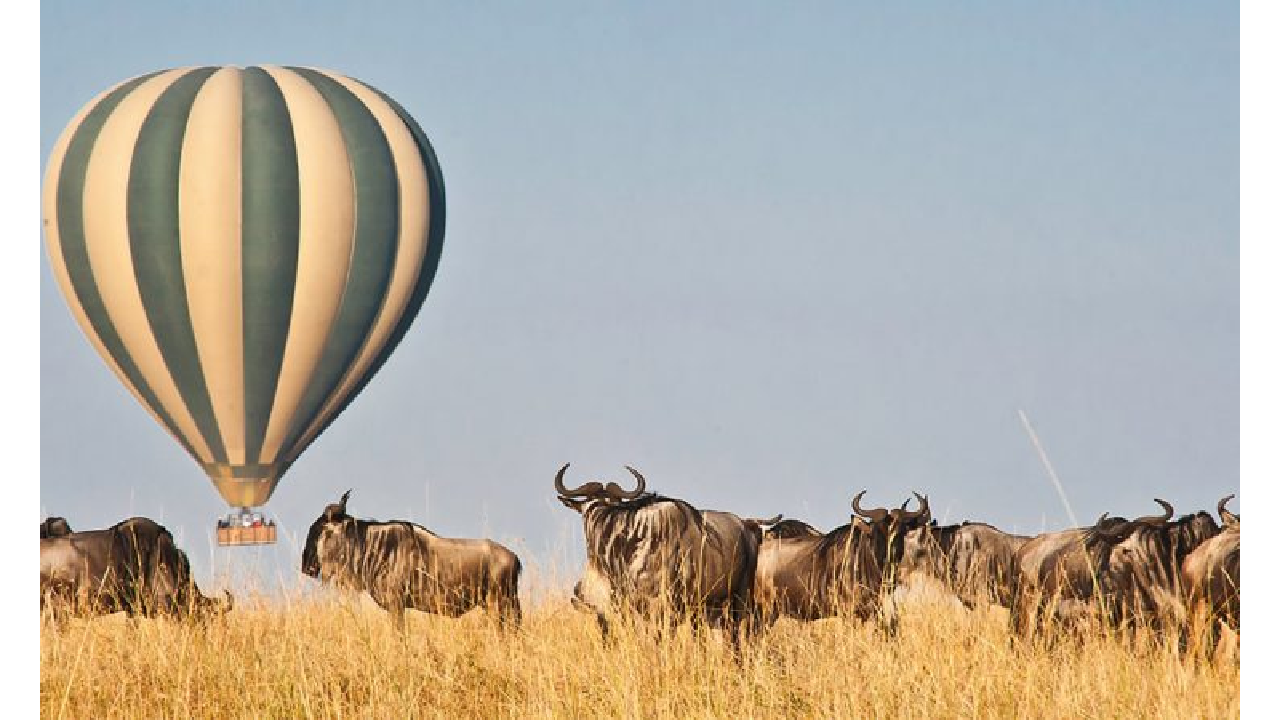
[(874, 515), (922, 511), (1228, 518), (639, 485), (229, 602), (342, 504), (1117, 531), (579, 491), (1158, 519), (559, 482)]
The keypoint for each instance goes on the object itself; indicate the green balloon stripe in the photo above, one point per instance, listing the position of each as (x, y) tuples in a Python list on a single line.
[(154, 241), (75, 254), (269, 232)]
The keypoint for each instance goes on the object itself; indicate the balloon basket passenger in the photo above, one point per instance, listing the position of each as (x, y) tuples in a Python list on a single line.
[(246, 528)]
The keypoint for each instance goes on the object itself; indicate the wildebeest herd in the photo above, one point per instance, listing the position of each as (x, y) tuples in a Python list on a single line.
[(662, 559)]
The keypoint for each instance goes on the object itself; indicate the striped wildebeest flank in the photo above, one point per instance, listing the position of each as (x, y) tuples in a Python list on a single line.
[(52, 527), (1211, 575), (403, 566), (1060, 577), (662, 558), (806, 575), (973, 560), (133, 566)]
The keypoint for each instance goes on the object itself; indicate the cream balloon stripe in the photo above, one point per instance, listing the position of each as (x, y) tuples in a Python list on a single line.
[(69, 203), (430, 263), (269, 167), (154, 245), (373, 253)]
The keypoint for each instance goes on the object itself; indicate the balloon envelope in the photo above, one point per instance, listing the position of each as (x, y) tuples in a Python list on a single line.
[(244, 247)]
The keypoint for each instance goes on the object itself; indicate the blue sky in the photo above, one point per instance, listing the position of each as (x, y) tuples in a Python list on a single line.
[(768, 258)]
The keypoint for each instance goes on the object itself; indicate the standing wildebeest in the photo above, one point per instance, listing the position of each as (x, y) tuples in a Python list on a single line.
[(1211, 574), (403, 565), (661, 557), (806, 575), (132, 566), (1143, 580), (974, 560), (1062, 574)]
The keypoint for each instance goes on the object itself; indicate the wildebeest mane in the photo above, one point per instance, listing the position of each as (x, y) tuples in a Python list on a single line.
[(791, 528), (838, 539)]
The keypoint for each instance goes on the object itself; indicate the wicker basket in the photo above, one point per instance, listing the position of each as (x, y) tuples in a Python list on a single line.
[(240, 535)]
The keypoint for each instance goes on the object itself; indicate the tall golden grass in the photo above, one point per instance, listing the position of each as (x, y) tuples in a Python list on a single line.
[(325, 655)]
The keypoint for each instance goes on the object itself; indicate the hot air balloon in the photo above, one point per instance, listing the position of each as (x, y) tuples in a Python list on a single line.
[(244, 247)]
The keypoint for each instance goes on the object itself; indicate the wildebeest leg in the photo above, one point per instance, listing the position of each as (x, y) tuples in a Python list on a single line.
[(1023, 613), (396, 612), (888, 622), (509, 614)]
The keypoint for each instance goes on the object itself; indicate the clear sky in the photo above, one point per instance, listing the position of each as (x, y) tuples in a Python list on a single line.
[(769, 258)]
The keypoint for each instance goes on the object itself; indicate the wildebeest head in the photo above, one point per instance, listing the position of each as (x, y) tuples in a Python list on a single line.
[(53, 527), (887, 529), (895, 522), (612, 493), (791, 529), (319, 547), (1115, 531), (188, 596)]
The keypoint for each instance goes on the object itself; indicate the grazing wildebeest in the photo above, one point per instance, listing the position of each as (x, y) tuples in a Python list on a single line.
[(54, 527), (1061, 575), (807, 575), (1211, 575), (403, 565), (132, 566), (661, 557), (973, 560)]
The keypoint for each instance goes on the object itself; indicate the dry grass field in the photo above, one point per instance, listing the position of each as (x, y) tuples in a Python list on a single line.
[(324, 655)]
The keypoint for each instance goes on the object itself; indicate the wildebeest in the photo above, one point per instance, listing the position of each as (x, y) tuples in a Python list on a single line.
[(661, 557), (1211, 574), (1143, 580), (807, 575), (1061, 575), (54, 527), (402, 565), (973, 560), (132, 566)]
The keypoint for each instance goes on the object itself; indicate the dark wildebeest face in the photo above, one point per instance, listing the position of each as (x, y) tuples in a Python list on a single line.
[(886, 530), (53, 527), (322, 550), (578, 498)]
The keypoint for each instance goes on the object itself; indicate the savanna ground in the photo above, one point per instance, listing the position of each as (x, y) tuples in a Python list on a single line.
[(326, 655)]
